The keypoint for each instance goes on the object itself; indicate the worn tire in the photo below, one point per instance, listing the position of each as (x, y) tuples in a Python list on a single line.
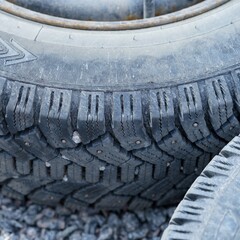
[(116, 119), (211, 208)]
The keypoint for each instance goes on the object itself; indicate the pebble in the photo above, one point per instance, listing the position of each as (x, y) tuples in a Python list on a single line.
[(106, 233), (51, 223), (31, 233), (131, 222), (30, 221), (155, 219), (139, 233), (66, 232), (76, 235)]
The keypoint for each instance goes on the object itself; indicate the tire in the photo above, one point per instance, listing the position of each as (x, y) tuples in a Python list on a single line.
[(116, 119), (210, 209)]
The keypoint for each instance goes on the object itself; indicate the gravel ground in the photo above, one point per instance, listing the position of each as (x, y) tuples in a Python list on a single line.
[(31, 221)]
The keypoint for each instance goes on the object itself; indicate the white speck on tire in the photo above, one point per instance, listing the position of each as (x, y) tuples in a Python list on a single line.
[(76, 137)]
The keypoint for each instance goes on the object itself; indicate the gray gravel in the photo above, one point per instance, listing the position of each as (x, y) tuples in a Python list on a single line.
[(31, 221)]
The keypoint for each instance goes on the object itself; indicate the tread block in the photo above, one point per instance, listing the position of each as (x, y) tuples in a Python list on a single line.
[(152, 154), (133, 188), (74, 204), (8, 144), (203, 161), (162, 116), (40, 170), (220, 105), (43, 196), (130, 189), (211, 144), (23, 167), (75, 173), (187, 181), (8, 192), (91, 119), (145, 173), (140, 204), (172, 197), (58, 168), (164, 130), (127, 120), (192, 118), (7, 165), (152, 193), (196, 165), (112, 202), (129, 170), (236, 87), (178, 147), (25, 185), (3, 178), (63, 188), (21, 107), (175, 171), (158, 158), (191, 112), (143, 181), (110, 177), (108, 150), (33, 142), (77, 155), (91, 193), (161, 168), (92, 171), (55, 119), (3, 125)]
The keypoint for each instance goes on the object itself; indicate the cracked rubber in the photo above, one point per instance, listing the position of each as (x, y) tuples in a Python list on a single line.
[(116, 120), (210, 209)]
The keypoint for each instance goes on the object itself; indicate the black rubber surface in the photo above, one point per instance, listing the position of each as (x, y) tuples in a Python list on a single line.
[(210, 209), (116, 120)]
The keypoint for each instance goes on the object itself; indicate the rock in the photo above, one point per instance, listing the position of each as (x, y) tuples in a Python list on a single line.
[(62, 211), (31, 233), (48, 212), (76, 235), (131, 222), (48, 234), (16, 224), (155, 218), (88, 237), (113, 220), (5, 226), (139, 233), (66, 232), (92, 224), (106, 233), (141, 216), (56, 224)]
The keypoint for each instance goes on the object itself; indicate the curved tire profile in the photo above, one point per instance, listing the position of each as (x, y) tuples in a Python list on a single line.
[(115, 119), (211, 208)]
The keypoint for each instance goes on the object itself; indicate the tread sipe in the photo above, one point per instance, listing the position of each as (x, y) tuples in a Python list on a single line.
[(210, 208), (112, 149)]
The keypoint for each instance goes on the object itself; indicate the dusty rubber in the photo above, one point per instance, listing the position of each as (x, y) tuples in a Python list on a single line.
[(124, 119), (210, 209)]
